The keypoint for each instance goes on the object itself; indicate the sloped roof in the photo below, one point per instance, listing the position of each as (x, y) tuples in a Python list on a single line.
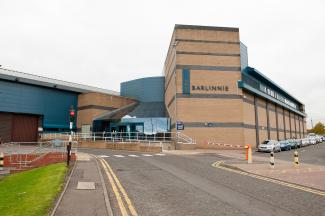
[(27, 78), (149, 110), (116, 114), (138, 110)]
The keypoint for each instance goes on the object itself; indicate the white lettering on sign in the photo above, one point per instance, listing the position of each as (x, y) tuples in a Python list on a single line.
[(209, 88), (277, 96)]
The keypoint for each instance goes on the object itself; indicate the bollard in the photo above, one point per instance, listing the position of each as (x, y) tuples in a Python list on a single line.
[(1, 160), (246, 147), (68, 153), (295, 158), (272, 159), (250, 156)]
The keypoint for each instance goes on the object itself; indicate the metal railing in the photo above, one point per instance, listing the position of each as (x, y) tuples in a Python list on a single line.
[(20, 152), (123, 137)]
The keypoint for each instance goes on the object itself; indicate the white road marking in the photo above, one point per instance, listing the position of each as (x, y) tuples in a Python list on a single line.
[(132, 155), (147, 155), (160, 154), (119, 156), (104, 156)]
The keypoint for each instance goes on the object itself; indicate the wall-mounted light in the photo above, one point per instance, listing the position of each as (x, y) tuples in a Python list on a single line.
[(208, 124)]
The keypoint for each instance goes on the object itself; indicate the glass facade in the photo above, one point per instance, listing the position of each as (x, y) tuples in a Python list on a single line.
[(143, 125)]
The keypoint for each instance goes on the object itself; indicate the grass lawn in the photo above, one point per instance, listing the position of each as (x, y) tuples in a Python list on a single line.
[(31, 192)]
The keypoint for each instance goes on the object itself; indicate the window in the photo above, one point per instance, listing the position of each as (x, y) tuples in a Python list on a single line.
[(186, 84)]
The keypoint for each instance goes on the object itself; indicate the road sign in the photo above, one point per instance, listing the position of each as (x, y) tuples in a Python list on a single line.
[(179, 126)]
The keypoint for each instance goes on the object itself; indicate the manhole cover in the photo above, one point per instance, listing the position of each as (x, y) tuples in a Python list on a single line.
[(86, 186)]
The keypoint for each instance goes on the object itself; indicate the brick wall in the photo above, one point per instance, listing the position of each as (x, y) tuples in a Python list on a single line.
[(91, 105)]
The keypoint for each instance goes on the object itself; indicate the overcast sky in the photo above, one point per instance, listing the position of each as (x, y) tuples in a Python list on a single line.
[(102, 43)]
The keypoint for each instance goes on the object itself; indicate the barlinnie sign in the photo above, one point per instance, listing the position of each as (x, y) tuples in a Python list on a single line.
[(210, 88)]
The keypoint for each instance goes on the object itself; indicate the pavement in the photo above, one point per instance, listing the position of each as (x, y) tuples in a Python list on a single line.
[(85, 193)]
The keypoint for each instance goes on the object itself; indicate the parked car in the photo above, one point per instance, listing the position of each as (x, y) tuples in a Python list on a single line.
[(305, 142), (285, 145), (299, 143), (293, 143), (312, 140), (269, 146), (318, 139)]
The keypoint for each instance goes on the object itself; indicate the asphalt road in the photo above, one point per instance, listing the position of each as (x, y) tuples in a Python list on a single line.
[(188, 185), (313, 154)]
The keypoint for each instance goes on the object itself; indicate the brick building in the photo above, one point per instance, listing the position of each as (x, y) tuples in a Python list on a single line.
[(212, 93)]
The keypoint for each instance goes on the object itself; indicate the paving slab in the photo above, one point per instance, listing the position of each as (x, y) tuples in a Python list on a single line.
[(86, 186), (83, 157)]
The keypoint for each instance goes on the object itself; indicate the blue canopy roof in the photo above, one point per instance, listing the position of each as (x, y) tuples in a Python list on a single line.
[(261, 77)]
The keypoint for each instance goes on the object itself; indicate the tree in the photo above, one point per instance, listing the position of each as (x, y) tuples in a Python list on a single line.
[(318, 129)]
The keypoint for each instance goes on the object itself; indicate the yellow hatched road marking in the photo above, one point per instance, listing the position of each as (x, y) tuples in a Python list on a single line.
[(115, 190), (126, 197), (291, 185)]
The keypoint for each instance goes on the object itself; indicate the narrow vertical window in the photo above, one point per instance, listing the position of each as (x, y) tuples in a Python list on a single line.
[(186, 84)]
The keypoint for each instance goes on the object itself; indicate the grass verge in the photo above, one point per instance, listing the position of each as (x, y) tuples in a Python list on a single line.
[(31, 192)]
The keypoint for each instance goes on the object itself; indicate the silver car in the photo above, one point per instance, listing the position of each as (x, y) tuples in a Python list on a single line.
[(269, 146), (305, 142)]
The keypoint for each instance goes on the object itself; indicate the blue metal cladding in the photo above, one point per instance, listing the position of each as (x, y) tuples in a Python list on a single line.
[(186, 85), (243, 56), (149, 89), (52, 104)]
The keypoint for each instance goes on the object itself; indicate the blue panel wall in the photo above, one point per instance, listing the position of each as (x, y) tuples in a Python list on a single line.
[(243, 56), (53, 104), (150, 89)]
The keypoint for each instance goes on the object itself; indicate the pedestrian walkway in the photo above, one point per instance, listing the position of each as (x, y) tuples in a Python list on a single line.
[(86, 192), (304, 174), (131, 155)]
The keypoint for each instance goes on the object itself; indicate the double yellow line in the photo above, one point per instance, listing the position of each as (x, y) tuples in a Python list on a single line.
[(119, 191), (218, 165)]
